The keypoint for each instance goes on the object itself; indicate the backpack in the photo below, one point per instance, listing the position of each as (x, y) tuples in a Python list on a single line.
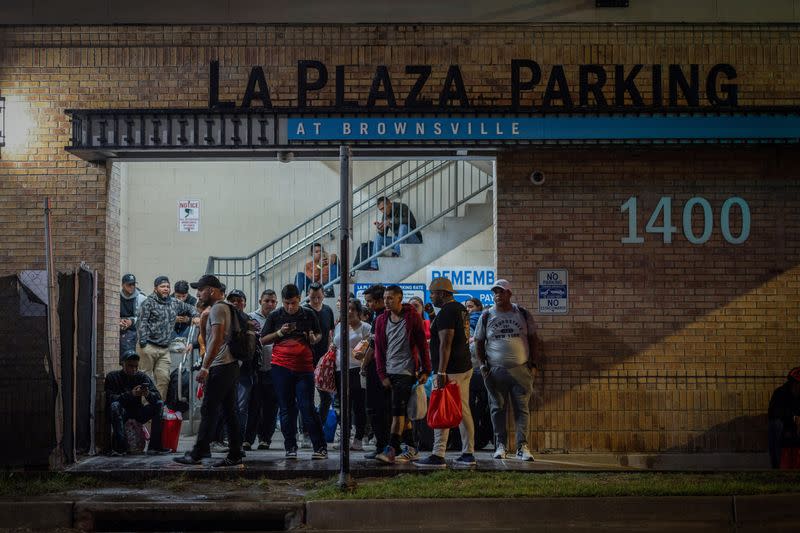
[(244, 341)]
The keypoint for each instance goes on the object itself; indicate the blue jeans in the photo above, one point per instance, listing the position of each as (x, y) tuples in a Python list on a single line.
[(295, 392), (382, 241), (302, 281)]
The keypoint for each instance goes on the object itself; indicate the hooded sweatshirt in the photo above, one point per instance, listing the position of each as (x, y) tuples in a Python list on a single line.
[(157, 319), (129, 305), (416, 340)]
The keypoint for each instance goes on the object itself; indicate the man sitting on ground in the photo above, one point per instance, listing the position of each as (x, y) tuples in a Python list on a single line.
[(124, 392), (784, 417)]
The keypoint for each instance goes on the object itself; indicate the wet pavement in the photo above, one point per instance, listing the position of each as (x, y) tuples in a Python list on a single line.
[(272, 464)]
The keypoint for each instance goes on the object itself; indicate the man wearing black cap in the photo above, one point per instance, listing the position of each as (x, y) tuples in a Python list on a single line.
[(155, 328), (130, 300), (124, 392), (219, 372)]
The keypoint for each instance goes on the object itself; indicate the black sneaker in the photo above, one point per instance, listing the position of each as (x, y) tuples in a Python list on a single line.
[(322, 453), (291, 453), (432, 461), (187, 459), (247, 446), (158, 451), (228, 461), (263, 445)]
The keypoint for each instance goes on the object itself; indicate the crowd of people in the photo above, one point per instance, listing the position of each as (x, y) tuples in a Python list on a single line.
[(396, 344)]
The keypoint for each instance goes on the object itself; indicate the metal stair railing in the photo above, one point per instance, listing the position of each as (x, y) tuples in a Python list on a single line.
[(432, 190)]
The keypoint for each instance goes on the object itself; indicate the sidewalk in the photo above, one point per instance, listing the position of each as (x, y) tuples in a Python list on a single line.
[(272, 463)]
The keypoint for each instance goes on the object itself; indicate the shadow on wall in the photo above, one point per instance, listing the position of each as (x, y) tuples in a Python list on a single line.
[(668, 346)]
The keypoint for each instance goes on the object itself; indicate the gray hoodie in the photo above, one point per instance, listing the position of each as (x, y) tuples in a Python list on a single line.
[(129, 305), (157, 319)]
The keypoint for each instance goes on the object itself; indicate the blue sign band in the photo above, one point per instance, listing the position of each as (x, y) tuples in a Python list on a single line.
[(543, 128)]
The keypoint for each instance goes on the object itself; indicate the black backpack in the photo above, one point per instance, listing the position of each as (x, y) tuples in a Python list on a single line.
[(244, 341)]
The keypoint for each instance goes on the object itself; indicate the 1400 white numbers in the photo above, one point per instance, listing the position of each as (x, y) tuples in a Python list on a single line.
[(663, 214)]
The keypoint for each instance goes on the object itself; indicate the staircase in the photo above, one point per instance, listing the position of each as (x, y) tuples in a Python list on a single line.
[(451, 201)]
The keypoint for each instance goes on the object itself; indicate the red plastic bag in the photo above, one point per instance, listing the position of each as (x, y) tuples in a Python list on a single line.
[(444, 408), (325, 373), (170, 429)]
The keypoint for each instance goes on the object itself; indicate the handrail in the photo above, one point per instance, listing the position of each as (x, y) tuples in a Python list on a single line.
[(334, 222), (418, 229), (316, 215), (433, 189)]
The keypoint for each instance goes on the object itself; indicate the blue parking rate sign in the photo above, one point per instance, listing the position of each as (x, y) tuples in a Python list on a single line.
[(553, 293)]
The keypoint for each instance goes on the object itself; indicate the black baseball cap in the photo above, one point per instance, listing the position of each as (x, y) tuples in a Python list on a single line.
[(130, 355), (128, 278), (236, 293), (207, 281)]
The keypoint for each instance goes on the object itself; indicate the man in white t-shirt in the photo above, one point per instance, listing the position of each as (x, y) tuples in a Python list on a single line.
[(505, 343)]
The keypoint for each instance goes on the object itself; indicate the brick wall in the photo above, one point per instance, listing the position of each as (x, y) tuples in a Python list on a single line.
[(666, 346), (44, 70)]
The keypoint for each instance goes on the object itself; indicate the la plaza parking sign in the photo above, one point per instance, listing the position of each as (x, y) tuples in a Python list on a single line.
[(553, 292)]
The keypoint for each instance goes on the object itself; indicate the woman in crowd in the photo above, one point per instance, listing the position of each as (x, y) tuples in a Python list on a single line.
[(358, 331), (475, 308), (419, 305)]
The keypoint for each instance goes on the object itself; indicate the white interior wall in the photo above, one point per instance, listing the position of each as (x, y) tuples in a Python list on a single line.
[(243, 205), (477, 251)]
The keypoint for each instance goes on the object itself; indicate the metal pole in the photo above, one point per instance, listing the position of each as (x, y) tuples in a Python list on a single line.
[(345, 229)]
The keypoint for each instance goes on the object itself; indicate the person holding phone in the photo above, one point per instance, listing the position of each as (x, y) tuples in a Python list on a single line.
[(292, 330), (125, 390), (397, 219)]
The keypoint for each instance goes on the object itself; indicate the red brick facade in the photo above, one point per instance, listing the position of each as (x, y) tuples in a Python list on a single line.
[(666, 346)]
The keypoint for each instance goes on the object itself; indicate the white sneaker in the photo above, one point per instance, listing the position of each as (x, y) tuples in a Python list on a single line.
[(524, 454), (356, 445), (500, 452), (409, 454)]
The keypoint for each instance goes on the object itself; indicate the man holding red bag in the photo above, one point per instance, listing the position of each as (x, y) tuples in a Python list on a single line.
[(451, 359), (401, 360)]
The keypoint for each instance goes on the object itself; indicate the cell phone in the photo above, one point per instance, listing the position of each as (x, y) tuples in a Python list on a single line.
[(292, 326)]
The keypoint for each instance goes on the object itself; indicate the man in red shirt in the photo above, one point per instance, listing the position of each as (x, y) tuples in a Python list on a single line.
[(292, 329)]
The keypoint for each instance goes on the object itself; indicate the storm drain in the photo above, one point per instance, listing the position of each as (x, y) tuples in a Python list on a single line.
[(194, 516)]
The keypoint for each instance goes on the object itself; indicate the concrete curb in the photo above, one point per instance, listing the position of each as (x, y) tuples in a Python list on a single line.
[(718, 513), (36, 515), (778, 512)]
